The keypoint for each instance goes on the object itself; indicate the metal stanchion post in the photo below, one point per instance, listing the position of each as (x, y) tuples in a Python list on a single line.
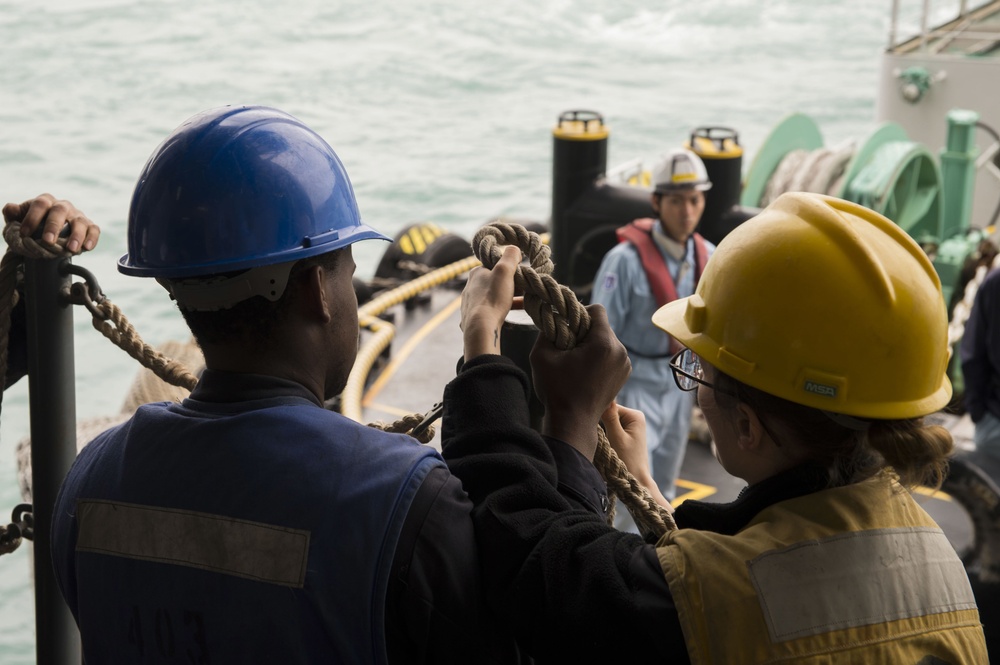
[(52, 396)]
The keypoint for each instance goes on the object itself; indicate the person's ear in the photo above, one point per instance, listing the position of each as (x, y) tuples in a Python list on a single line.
[(311, 285), (750, 431)]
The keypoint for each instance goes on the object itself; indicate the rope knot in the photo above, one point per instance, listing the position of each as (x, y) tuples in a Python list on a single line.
[(560, 317), (31, 248), (553, 307)]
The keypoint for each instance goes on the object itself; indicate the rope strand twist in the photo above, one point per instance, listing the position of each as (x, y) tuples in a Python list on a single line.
[(564, 321), (405, 425)]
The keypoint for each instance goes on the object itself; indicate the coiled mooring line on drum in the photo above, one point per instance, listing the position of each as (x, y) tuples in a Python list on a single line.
[(821, 171), (564, 321)]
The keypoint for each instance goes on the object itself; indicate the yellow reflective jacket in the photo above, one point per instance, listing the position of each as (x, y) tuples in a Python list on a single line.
[(855, 574)]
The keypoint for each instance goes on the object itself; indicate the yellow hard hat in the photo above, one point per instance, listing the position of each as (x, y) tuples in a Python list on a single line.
[(824, 303)]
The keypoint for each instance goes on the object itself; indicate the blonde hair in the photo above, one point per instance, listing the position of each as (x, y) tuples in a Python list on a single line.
[(918, 453)]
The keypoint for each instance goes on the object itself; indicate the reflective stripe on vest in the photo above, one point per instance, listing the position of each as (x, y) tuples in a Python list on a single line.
[(891, 574), (253, 550)]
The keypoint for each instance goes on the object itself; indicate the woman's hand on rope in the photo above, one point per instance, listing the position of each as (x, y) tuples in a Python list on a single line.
[(52, 215), (486, 301), (577, 385), (626, 430)]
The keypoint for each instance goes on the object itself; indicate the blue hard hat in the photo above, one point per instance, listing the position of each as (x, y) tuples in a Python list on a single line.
[(235, 188)]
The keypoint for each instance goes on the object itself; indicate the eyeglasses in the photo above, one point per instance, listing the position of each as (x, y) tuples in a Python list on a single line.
[(687, 369)]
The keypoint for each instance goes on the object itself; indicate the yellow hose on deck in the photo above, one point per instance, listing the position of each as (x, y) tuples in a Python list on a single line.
[(384, 332)]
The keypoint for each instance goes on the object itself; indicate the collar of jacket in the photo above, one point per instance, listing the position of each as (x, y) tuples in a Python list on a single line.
[(677, 250), (729, 518)]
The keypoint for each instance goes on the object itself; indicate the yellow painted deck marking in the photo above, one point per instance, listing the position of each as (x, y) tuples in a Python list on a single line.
[(408, 348), (696, 491), (699, 491)]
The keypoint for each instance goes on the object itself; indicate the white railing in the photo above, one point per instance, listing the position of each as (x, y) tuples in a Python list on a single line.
[(927, 35)]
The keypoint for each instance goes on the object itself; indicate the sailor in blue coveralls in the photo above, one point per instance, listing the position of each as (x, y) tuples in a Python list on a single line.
[(656, 262), (249, 524)]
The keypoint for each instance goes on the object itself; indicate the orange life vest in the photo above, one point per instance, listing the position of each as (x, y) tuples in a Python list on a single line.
[(661, 282), (640, 234)]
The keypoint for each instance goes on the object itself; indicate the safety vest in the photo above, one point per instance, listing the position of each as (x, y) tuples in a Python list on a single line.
[(260, 531), (855, 574)]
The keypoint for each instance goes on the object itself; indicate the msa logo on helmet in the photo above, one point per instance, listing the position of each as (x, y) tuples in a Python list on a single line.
[(820, 389)]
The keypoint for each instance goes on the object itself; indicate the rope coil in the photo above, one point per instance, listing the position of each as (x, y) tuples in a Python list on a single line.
[(564, 321)]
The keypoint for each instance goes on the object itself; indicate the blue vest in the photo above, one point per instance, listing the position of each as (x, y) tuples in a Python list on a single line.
[(256, 532)]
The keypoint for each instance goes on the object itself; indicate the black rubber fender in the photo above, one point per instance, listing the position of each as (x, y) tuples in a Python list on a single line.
[(972, 483), (423, 244), (363, 290)]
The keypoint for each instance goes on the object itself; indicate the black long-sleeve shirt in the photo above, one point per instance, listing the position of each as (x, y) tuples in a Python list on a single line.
[(980, 351), (573, 588)]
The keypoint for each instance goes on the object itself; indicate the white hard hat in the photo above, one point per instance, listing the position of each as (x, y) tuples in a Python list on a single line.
[(681, 169)]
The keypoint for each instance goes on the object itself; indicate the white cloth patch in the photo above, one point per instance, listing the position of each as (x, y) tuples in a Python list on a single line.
[(253, 550), (859, 578), (610, 280)]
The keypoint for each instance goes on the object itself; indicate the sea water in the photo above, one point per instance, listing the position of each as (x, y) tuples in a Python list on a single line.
[(441, 110)]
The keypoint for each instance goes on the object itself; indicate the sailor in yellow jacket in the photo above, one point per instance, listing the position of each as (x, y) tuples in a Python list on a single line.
[(816, 341)]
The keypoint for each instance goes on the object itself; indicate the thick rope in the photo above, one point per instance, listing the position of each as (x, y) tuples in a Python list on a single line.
[(405, 425), (147, 387), (564, 321), (963, 308), (113, 325), (554, 308), (10, 539), (384, 332), (17, 249), (821, 170)]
